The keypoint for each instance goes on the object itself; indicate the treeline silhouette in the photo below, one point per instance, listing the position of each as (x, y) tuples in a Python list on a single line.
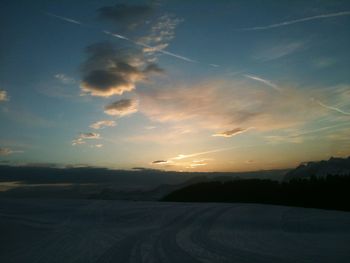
[(330, 192)]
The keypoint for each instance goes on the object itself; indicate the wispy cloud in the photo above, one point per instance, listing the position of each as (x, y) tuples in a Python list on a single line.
[(78, 141), (102, 124), (330, 107), (220, 105), (185, 156), (265, 81), (180, 163), (298, 136), (8, 151), (4, 96), (83, 136), (230, 133), (197, 163), (65, 18), (295, 21), (5, 151), (151, 48), (115, 35), (96, 146), (177, 159), (64, 79), (270, 50), (324, 62), (26, 117), (122, 37), (157, 49), (170, 134)]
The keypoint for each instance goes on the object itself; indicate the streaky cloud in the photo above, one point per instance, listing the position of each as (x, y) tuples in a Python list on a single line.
[(65, 18), (291, 22), (7, 151), (185, 156), (276, 51), (115, 35), (298, 137), (64, 79), (265, 81), (230, 133), (177, 56), (102, 124), (194, 165), (339, 125), (83, 136), (150, 47), (330, 107), (211, 105), (168, 53)]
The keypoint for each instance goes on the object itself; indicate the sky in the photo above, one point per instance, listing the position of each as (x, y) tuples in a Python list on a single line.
[(174, 85)]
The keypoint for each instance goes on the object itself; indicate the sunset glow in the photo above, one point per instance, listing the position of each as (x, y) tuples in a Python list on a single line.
[(233, 86)]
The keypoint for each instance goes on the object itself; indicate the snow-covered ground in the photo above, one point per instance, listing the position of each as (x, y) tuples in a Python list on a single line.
[(114, 231)]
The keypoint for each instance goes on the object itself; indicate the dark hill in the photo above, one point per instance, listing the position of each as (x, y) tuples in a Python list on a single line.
[(334, 166), (330, 192)]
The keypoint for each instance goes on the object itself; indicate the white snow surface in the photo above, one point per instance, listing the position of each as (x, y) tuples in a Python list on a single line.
[(119, 231)]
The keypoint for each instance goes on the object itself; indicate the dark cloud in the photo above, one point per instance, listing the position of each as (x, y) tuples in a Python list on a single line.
[(89, 135), (153, 67), (142, 169), (121, 107), (159, 161), (126, 15), (106, 83), (111, 70)]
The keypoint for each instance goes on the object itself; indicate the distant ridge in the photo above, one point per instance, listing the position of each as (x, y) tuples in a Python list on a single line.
[(334, 166)]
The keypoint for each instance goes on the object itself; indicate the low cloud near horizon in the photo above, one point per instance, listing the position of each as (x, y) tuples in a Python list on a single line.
[(5, 151)]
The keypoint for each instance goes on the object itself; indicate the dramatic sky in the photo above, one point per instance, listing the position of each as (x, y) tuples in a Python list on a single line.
[(175, 85)]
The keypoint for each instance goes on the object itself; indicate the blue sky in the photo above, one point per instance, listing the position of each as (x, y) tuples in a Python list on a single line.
[(199, 86)]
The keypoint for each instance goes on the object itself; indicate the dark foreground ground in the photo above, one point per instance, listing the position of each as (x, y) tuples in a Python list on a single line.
[(114, 231)]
